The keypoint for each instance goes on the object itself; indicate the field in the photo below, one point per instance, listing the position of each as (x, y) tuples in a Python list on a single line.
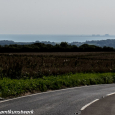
[(21, 73), (37, 65)]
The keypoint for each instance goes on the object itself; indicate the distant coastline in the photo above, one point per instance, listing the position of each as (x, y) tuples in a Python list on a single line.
[(101, 43), (54, 38)]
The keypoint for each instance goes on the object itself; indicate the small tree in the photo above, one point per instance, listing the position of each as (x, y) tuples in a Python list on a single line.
[(64, 44)]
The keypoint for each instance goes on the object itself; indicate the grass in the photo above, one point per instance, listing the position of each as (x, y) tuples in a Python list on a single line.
[(16, 87)]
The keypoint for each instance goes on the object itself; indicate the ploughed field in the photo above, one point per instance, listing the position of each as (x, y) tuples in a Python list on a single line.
[(37, 65)]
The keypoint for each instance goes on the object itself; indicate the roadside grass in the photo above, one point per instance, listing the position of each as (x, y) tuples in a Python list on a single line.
[(16, 87)]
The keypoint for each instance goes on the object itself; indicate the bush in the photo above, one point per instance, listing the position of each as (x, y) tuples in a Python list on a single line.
[(13, 87)]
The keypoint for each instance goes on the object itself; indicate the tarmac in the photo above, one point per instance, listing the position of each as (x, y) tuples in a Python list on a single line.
[(103, 106)]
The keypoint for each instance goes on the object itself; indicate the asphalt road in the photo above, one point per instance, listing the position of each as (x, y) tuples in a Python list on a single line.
[(61, 102), (105, 106)]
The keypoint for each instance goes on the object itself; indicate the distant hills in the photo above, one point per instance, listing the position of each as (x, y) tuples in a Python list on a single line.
[(9, 42), (100, 43)]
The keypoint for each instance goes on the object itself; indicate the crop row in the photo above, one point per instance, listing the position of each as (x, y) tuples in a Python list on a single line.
[(18, 66)]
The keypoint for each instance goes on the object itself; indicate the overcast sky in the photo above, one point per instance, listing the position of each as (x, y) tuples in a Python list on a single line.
[(57, 17)]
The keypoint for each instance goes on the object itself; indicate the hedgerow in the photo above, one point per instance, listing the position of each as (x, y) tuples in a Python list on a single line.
[(16, 87)]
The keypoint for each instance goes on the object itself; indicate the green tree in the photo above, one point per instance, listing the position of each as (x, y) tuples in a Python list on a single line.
[(64, 44)]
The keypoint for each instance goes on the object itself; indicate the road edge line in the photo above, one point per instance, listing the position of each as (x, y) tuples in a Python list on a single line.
[(5, 100), (95, 101), (42, 93), (88, 104), (110, 94)]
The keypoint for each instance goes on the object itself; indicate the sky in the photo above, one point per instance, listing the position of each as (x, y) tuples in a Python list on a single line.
[(70, 17)]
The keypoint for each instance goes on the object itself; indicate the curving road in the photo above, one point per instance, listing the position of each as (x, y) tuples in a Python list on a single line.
[(61, 102), (104, 106)]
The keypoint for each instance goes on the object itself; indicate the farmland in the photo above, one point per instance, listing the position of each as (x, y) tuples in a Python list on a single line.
[(47, 71), (37, 65)]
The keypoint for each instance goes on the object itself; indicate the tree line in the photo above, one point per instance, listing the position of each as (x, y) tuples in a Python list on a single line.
[(62, 47)]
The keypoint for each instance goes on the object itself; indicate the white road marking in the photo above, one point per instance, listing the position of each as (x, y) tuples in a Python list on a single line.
[(110, 94), (88, 104)]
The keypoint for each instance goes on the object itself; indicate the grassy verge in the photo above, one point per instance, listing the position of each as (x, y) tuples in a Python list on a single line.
[(14, 87)]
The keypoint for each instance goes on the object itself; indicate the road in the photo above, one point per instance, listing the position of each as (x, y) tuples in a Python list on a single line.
[(105, 106), (61, 102)]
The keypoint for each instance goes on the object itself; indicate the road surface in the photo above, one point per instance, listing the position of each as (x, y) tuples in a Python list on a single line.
[(105, 106), (60, 102)]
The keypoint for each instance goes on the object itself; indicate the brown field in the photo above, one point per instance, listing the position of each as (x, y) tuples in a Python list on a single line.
[(56, 53), (17, 65)]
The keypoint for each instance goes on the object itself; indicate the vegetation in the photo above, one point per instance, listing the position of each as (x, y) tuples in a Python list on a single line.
[(17, 66), (21, 73), (62, 47), (12, 88), (100, 43)]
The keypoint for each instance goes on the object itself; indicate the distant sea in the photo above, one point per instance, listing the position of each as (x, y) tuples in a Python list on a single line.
[(53, 38)]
